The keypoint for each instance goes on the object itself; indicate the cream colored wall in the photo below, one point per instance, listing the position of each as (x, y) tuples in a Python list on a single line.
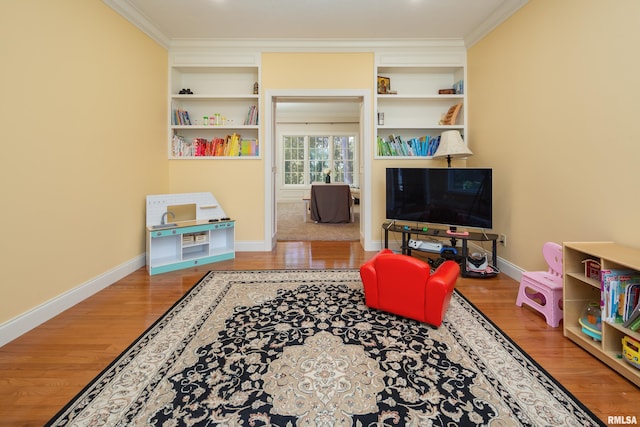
[(238, 185), (83, 116), (553, 105), (317, 71)]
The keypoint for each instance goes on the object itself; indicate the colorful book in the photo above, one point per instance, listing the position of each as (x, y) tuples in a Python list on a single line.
[(631, 296), (249, 147), (433, 146), (633, 316), (396, 145), (613, 286), (252, 116)]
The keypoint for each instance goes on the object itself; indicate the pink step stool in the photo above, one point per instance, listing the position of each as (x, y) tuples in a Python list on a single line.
[(542, 290)]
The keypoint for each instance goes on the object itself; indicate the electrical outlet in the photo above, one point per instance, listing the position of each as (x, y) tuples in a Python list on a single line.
[(502, 239)]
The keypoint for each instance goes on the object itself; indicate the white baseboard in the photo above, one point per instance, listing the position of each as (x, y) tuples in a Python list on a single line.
[(509, 269), (17, 326), (33, 318), (504, 266), (250, 246)]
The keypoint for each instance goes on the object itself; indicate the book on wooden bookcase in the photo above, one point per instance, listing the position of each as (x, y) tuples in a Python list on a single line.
[(618, 286), (631, 299), (633, 318), (635, 325)]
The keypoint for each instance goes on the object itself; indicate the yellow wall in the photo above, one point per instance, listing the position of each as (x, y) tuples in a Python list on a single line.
[(83, 116), (317, 71), (553, 105), (238, 185)]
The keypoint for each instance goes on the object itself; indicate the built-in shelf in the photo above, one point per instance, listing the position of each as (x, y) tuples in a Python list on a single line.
[(223, 92), (416, 108)]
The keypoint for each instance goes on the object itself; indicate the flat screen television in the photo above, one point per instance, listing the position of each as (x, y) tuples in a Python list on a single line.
[(455, 197)]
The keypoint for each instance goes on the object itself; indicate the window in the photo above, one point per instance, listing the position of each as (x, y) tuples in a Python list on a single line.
[(293, 159), (319, 157), (305, 158), (344, 161)]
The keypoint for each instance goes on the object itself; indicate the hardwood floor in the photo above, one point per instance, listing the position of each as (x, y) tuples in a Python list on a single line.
[(45, 368)]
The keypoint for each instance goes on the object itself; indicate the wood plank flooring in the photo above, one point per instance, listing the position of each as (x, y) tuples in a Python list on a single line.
[(45, 368)]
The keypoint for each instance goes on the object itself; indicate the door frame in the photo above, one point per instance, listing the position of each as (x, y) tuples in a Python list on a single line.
[(269, 150)]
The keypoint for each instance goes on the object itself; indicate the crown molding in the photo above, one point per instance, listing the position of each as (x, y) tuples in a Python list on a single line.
[(501, 14), (306, 45), (133, 15)]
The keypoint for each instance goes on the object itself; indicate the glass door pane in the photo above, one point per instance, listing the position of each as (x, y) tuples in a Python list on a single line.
[(294, 159), (344, 158), (318, 157)]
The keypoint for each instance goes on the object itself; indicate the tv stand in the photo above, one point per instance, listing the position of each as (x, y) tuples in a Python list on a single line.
[(407, 231), (457, 233)]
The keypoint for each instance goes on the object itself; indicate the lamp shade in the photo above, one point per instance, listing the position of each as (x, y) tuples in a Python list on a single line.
[(452, 146)]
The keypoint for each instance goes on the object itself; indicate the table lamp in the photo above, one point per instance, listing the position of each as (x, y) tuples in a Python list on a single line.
[(451, 146)]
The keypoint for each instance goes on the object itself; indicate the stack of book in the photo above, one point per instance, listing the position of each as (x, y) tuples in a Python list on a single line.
[(180, 118), (620, 297), (252, 116), (249, 147), (180, 147), (229, 146), (396, 146), (631, 317), (633, 322)]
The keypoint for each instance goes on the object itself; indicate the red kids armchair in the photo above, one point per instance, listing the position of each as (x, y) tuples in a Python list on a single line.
[(404, 285)]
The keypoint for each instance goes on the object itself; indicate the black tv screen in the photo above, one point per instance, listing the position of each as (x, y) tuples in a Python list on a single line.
[(453, 196)]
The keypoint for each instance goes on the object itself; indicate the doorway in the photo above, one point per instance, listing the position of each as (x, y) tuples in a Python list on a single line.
[(298, 109)]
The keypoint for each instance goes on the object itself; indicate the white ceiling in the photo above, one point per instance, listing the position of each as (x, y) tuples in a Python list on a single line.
[(172, 20)]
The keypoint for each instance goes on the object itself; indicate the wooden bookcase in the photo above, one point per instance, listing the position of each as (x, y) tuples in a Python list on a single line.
[(579, 290)]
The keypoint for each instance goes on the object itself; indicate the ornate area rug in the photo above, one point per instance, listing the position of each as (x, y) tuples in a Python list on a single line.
[(300, 348)]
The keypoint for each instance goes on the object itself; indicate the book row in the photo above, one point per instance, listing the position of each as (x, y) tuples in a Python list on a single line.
[(252, 116), (397, 146), (181, 117), (230, 146), (620, 297)]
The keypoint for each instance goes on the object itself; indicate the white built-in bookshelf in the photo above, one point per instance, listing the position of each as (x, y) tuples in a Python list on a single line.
[(415, 107), (219, 118)]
